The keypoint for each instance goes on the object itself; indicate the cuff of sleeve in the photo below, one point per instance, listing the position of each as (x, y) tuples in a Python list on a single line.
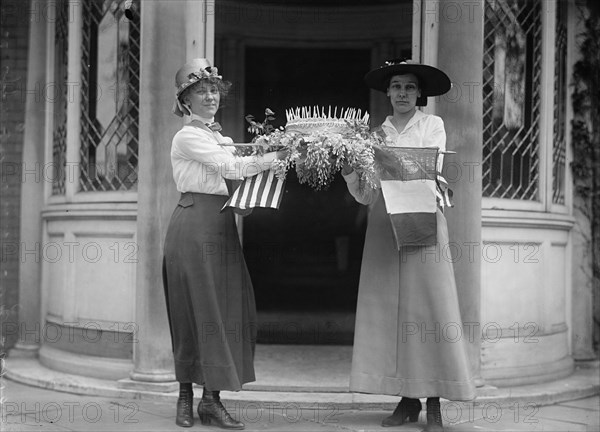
[(351, 178), (269, 157)]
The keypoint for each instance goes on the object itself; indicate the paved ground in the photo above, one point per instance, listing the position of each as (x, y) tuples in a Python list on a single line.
[(28, 408)]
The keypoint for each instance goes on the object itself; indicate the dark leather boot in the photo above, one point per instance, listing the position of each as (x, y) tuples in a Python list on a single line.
[(185, 406), (212, 411), (407, 411), (434, 416)]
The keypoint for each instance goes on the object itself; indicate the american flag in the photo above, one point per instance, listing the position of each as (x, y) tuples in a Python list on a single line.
[(261, 190), (412, 188)]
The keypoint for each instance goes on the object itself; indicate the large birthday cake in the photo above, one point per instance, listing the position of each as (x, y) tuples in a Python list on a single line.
[(309, 120), (318, 142)]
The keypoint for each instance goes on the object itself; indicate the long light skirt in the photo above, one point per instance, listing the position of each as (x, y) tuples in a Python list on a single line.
[(409, 339)]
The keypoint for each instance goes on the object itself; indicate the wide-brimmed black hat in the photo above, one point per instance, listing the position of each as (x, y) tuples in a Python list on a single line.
[(432, 81)]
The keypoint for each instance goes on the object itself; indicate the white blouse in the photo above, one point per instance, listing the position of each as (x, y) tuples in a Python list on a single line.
[(422, 130), (201, 164)]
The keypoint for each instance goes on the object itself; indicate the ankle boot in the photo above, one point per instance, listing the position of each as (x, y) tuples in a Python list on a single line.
[(434, 416), (212, 411), (185, 406), (407, 410)]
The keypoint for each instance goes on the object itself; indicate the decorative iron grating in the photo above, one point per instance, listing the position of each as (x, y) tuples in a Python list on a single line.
[(110, 97), (59, 95), (559, 144), (511, 98)]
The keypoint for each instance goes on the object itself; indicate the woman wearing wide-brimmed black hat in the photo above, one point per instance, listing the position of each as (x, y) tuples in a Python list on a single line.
[(209, 296), (407, 297)]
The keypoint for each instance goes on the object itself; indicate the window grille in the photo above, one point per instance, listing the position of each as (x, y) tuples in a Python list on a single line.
[(511, 98), (110, 97), (58, 92), (559, 144)]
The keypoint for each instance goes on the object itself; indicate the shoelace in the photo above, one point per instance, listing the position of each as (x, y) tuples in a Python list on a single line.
[(223, 413), (186, 401), (433, 410)]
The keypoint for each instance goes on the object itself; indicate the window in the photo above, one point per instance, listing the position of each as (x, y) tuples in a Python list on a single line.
[(110, 97), (559, 144), (511, 99), (58, 92)]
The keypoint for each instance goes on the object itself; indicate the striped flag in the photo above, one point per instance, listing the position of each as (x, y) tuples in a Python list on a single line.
[(409, 183), (261, 190), (444, 193)]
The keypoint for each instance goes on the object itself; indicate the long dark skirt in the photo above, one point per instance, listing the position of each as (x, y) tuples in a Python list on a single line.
[(209, 295)]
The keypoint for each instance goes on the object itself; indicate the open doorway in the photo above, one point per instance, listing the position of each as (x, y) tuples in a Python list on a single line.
[(305, 258)]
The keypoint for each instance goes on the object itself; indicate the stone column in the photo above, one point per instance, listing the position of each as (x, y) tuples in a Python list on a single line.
[(163, 52), (460, 55), (32, 192), (583, 306)]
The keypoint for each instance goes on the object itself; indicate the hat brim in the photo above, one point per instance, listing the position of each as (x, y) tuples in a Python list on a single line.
[(432, 81), (177, 105), (176, 109)]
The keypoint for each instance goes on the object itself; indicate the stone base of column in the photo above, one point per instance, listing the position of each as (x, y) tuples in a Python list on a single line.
[(155, 387), (106, 368), (479, 382), (161, 382), (519, 375), (587, 364), (24, 350)]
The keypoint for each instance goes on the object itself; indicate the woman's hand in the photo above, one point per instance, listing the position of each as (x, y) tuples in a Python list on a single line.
[(282, 154), (346, 169)]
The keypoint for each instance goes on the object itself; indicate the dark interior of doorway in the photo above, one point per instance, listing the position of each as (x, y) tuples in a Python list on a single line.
[(305, 257)]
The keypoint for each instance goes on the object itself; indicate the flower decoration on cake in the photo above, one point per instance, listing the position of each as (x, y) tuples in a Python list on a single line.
[(319, 143)]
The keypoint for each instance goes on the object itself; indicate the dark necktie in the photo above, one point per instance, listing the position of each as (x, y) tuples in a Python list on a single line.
[(214, 126)]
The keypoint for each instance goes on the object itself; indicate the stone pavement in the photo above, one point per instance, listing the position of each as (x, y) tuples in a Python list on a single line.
[(290, 394), (27, 408)]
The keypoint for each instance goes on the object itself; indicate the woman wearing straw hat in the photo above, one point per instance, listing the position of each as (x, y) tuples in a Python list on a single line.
[(209, 296), (407, 296)]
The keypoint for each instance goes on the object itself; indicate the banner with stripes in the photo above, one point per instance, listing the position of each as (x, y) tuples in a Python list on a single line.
[(261, 190), (409, 183)]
